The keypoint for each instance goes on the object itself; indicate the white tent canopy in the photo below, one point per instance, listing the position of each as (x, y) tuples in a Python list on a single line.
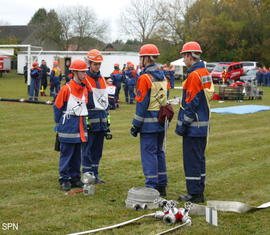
[(179, 62)]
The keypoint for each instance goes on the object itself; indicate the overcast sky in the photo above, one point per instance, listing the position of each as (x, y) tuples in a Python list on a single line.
[(19, 12)]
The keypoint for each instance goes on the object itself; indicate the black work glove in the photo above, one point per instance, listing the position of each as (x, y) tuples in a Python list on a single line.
[(182, 131), (134, 131)]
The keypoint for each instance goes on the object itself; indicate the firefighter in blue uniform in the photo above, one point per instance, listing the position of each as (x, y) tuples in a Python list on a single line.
[(130, 81), (151, 92), (35, 82), (193, 121), (98, 119), (70, 114), (55, 79), (117, 78)]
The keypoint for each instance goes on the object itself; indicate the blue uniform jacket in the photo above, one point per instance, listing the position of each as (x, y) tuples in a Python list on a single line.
[(193, 116), (147, 121)]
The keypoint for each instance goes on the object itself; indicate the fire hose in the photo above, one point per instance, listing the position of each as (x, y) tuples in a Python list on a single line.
[(26, 101), (169, 215)]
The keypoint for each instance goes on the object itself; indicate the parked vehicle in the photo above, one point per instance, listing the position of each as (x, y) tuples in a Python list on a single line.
[(210, 66), (5, 63), (227, 71), (250, 75), (248, 65)]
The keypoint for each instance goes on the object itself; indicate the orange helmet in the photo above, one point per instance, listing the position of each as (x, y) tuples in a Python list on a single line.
[(149, 50), (35, 64), (55, 63), (191, 47), (131, 65), (78, 65), (95, 56)]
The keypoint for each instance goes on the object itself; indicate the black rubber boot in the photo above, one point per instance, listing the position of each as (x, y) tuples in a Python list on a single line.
[(65, 186), (76, 183), (196, 198), (162, 190)]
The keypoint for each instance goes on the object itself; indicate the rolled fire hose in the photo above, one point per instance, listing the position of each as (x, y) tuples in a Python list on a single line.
[(26, 101), (114, 226)]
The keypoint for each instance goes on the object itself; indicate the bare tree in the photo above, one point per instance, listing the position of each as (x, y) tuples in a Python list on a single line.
[(171, 14), (139, 19), (66, 21), (86, 24)]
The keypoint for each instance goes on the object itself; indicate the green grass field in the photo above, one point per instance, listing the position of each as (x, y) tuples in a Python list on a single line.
[(238, 167)]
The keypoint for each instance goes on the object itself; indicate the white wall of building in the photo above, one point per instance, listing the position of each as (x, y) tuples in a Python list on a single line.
[(110, 58)]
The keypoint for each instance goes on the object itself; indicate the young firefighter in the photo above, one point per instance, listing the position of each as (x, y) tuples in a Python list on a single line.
[(117, 78), (151, 95), (111, 93), (97, 114), (130, 81), (55, 79), (35, 81), (70, 113), (193, 121)]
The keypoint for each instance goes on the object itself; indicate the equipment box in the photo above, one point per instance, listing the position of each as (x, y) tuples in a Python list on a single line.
[(231, 93)]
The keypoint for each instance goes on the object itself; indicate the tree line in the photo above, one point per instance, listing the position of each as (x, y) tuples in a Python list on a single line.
[(228, 30)]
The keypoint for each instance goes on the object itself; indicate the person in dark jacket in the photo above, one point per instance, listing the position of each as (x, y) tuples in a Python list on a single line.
[(44, 73)]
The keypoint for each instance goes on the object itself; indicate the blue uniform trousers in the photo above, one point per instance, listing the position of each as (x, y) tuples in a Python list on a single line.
[(153, 159), (54, 88), (126, 92), (92, 152), (117, 93), (194, 163), (131, 93), (34, 88), (70, 161)]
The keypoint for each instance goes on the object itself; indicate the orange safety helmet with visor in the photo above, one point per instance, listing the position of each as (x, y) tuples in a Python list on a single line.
[(95, 55), (78, 65)]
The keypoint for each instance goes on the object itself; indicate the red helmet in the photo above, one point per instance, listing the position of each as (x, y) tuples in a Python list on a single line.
[(78, 65), (55, 63), (35, 64), (95, 56), (191, 47), (131, 65), (149, 50), (116, 65)]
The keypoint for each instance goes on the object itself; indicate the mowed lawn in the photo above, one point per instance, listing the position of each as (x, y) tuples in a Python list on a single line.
[(238, 169)]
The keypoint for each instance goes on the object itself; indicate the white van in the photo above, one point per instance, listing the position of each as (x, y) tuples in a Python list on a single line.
[(248, 65)]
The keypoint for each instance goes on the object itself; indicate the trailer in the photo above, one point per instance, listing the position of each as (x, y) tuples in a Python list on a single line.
[(64, 58), (5, 63)]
